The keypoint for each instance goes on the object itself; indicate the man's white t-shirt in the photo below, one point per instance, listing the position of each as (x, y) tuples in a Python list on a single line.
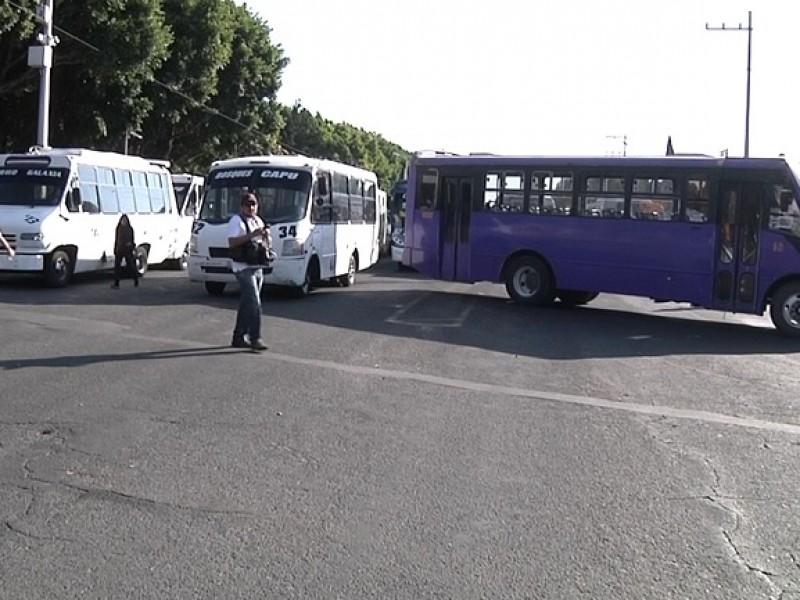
[(236, 228)]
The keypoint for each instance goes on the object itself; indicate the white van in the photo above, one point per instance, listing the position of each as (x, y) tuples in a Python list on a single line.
[(189, 198), (59, 210)]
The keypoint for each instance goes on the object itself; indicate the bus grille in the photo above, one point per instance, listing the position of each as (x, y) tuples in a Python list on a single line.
[(12, 241), (219, 252), (218, 270)]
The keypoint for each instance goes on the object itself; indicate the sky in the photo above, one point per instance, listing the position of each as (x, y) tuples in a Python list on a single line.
[(547, 77)]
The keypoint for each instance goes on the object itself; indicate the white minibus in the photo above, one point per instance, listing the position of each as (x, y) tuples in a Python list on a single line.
[(324, 218), (59, 209)]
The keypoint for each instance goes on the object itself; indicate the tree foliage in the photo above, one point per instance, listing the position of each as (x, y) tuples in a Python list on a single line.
[(316, 136), (191, 81)]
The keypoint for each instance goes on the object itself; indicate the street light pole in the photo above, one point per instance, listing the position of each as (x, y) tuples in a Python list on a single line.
[(40, 56), (749, 30)]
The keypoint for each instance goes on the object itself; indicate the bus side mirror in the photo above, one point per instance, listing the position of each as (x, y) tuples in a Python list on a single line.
[(322, 186), (319, 201), (74, 200)]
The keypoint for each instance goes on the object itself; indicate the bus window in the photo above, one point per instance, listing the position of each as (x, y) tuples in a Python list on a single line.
[(551, 193), (655, 199), (697, 194), (784, 212), (107, 191), (321, 209), (428, 189), (356, 189), (602, 196), (504, 191), (727, 226)]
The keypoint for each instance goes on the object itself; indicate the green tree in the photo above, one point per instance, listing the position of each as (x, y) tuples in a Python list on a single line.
[(221, 81), (316, 136)]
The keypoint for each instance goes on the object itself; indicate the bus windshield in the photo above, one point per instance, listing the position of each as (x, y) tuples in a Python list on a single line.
[(283, 194), (38, 186)]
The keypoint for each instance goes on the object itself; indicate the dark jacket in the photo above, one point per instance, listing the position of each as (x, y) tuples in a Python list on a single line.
[(123, 242)]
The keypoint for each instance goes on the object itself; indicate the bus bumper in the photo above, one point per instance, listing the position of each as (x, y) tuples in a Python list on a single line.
[(22, 263), (286, 271)]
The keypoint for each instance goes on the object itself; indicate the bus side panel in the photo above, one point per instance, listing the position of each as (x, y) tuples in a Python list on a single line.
[(422, 246), (651, 259), (779, 255)]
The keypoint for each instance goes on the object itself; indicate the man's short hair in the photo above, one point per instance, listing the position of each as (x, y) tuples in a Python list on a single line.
[(247, 196)]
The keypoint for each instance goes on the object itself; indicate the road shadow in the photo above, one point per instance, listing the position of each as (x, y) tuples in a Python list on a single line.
[(386, 301), (93, 359)]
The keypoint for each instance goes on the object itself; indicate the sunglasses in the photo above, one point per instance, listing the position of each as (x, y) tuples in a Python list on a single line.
[(250, 203)]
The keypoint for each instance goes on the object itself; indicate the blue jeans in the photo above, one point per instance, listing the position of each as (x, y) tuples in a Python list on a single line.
[(248, 317)]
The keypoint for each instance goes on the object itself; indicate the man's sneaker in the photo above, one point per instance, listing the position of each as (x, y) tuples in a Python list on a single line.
[(240, 343), (258, 345)]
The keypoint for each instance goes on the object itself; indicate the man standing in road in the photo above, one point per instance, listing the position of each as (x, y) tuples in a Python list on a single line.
[(244, 229)]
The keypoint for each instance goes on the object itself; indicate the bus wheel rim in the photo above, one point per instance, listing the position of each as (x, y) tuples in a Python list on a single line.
[(527, 281), (791, 311)]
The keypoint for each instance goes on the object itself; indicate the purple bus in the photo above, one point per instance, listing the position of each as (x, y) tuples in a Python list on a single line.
[(719, 233)]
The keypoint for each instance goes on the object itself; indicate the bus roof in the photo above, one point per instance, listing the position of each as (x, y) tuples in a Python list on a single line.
[(296, 161), (85, 156), (493, 160)]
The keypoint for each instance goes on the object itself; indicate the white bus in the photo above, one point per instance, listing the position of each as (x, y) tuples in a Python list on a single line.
[(189, 198), (59, 209), (324, 218)]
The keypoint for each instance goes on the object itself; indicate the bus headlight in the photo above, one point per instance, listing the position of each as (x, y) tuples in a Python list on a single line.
[(31, 240), (292, 248), (193, 245)]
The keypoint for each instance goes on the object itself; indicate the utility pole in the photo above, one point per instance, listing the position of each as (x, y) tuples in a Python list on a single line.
[(40, 56), (749, 30)]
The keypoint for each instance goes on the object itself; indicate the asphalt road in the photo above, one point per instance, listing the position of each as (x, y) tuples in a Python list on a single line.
[(402, 438)]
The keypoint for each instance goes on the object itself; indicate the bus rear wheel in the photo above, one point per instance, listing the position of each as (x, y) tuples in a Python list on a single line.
[(784, 310), (215, 288), (528, 281), (140, 258), (58, 269)]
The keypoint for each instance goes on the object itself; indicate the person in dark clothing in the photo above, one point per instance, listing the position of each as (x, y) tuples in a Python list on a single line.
[(124, 247)]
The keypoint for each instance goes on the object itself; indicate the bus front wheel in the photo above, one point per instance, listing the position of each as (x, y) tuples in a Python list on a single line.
[(528, 281), (215, 288), (785, 309), (58, 269), (349, 278)]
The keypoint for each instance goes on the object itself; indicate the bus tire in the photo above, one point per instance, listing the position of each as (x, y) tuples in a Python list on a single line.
[(140, 260), (59, 268), (784, 309), (349, 278), (182, 262), (529, 281), (215, 288), (310, 279), (575, 297)]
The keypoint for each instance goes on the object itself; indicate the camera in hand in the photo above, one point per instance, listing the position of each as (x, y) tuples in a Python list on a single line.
[(252, 253)]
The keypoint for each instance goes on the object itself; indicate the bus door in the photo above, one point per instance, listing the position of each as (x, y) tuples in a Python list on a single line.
[(738, 242), (456, 209)]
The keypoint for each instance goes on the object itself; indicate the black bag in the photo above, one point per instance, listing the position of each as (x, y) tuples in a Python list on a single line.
[(251, 253)]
